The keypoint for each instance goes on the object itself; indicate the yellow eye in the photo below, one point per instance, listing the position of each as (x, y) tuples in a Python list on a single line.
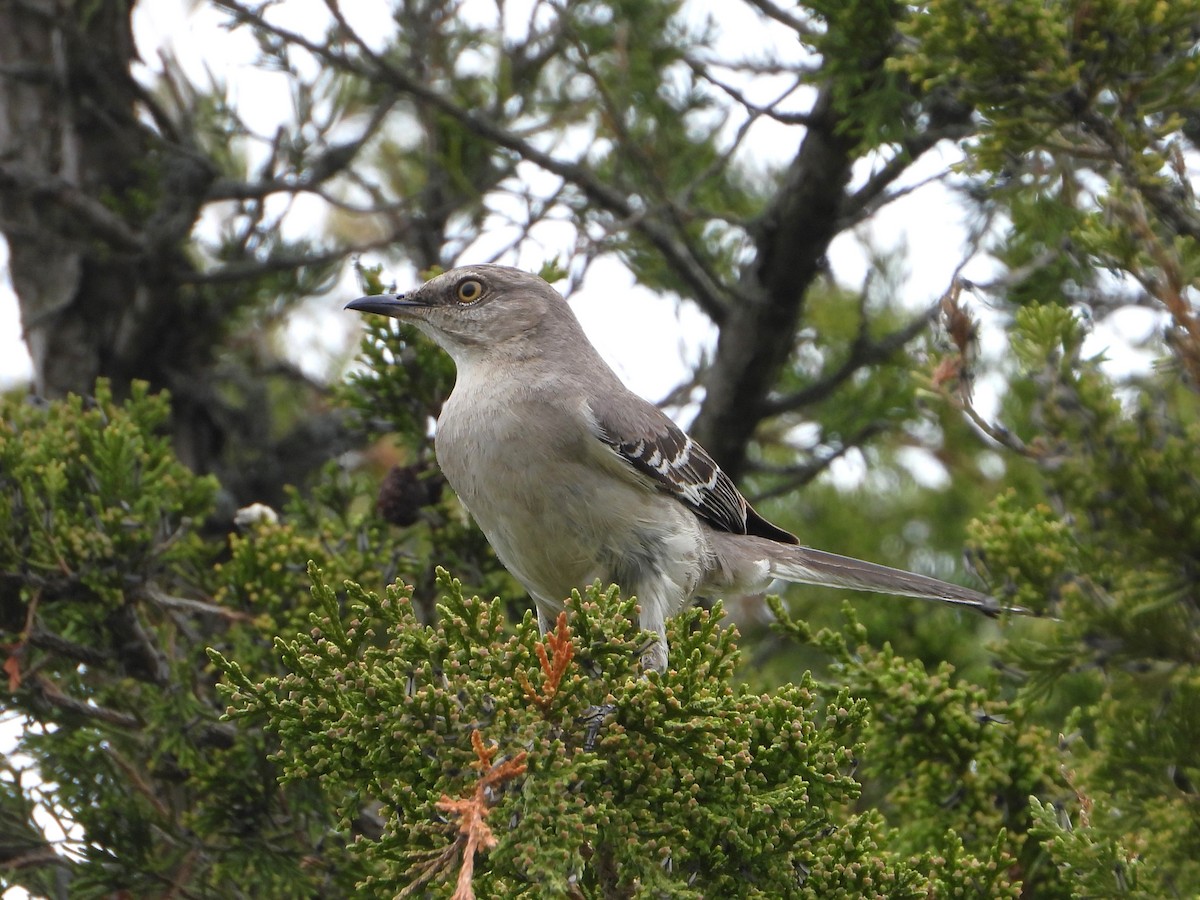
[(469, 291)]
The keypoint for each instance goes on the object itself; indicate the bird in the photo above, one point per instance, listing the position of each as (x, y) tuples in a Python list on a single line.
[(574, 478)]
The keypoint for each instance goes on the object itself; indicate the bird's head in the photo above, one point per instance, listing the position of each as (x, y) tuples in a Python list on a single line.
[(474, 309)]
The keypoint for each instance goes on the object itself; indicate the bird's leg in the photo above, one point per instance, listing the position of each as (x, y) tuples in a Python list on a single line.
[(652, 617), (655, 656), (593, 717)]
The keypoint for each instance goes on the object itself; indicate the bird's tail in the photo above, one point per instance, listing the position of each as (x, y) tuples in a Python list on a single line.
[(807, 566)]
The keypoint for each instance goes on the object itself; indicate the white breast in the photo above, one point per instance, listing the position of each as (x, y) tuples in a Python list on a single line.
[(557, 505)]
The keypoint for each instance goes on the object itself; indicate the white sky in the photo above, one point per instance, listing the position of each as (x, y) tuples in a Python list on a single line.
[(654, 356)]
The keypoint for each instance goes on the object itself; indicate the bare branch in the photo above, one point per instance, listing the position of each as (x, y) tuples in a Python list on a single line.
[(333, 161), (863, 352), (793, 477), (755, 111), (55, 643), (873, 195), (710, 294), (102, 222), (48, 691), (281, 262), (771, 11), (188, 604)]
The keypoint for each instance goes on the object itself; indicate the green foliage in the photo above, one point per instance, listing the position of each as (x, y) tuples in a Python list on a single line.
[(683, 783), (404, 381), (91, 496), (857, 37), (263, 575), (111, 588), (1033, 67), (1015, 51), (1112, 553), (949, 764), (99, 523), (1094, 865), (1086, 110)]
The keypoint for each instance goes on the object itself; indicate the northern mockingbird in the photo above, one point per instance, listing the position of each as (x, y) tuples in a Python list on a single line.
[(573, 477)]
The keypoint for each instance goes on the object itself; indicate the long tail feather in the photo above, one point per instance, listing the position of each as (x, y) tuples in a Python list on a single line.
[(805, 565)]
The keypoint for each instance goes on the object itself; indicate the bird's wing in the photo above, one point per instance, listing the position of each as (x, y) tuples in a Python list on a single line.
[(648, 441)]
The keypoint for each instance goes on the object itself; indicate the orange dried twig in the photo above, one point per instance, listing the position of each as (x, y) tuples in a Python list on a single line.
[(563, 650), (473, 831), (952, 378), (16, 650), (958, 322)]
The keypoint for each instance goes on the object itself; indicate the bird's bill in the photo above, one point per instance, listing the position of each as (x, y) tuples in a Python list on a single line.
[(385, 304)]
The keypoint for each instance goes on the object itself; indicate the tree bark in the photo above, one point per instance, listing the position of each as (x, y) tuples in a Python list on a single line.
[(758, 335), (74, 157), (98, 206), (95, 207)]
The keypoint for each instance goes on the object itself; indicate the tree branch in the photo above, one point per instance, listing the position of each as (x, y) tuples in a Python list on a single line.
[(793, 477), (863, 352), (334, 160), (712, 296), (771, 11), (756, 340), (55, 643), (97, 220), (47, 691)]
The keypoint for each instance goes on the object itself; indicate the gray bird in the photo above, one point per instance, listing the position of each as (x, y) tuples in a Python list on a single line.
[(573, 477)]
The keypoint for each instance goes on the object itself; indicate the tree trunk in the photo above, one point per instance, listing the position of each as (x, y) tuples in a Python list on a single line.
[(95, 206), (757, 337), (98, 207)]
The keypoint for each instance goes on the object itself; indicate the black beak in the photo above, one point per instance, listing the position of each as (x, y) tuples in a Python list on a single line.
[(384, 304)]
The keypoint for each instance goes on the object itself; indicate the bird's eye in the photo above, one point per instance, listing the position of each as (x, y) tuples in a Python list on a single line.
[(469, 291)]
